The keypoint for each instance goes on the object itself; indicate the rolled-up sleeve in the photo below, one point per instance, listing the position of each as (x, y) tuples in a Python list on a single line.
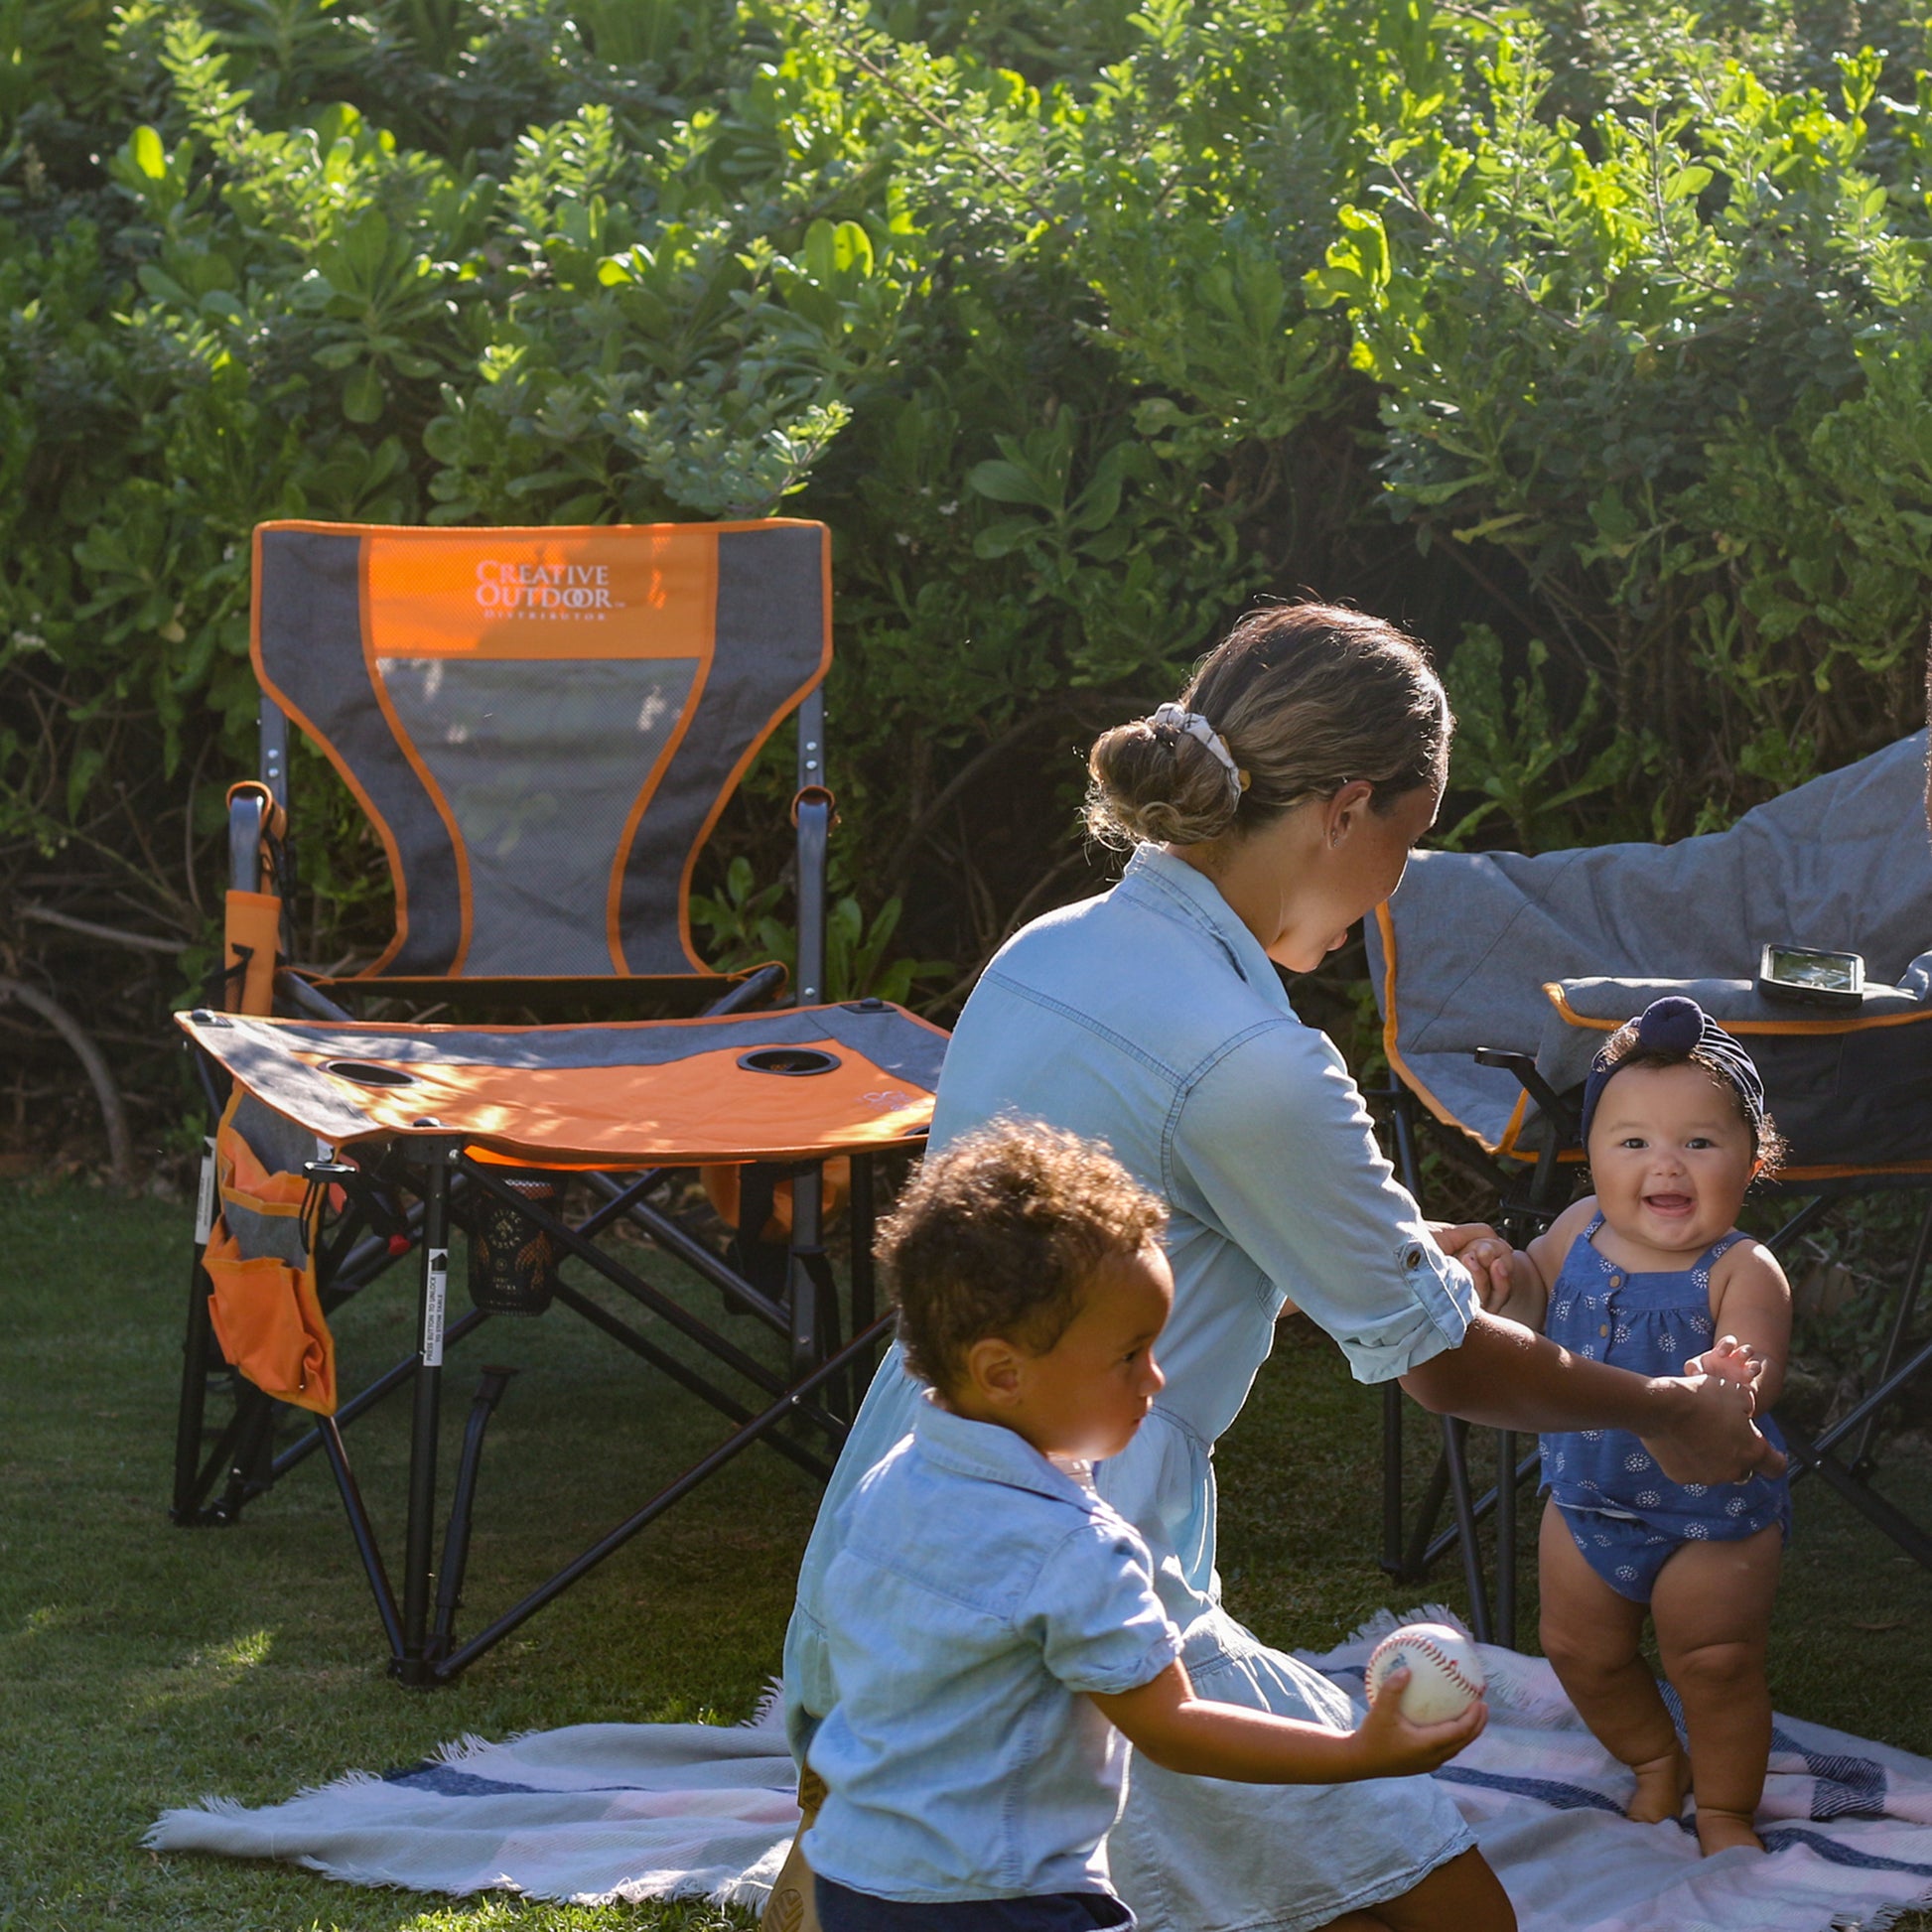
[(1273, 1148)]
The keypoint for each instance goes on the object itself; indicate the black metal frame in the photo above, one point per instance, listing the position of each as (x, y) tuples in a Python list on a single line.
[(407, 1194), (1529, 1200)]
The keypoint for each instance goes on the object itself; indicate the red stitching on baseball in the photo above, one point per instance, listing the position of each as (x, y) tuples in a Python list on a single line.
[(1443, 1661)]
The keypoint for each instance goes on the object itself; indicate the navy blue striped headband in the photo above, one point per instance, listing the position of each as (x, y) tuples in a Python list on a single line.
[(1679, 1025)]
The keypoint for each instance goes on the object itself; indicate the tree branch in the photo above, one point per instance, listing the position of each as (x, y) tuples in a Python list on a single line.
[(140, 941), (967, 775), (120, 1147)]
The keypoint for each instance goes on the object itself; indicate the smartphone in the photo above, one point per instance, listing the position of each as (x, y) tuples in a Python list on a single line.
[(1802, 973)]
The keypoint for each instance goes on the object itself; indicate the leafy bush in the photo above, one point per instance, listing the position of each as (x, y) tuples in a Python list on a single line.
[(1591, 339)]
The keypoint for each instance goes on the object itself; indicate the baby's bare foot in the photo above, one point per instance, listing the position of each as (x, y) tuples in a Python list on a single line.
[(1661, 1784), (1718, 1830)]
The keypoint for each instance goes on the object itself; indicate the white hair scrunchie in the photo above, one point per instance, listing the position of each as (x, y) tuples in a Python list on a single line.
[(1179, 718)]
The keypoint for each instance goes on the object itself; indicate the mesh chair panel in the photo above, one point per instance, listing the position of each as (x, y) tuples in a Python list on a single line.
[(539, 775), (542, 724)]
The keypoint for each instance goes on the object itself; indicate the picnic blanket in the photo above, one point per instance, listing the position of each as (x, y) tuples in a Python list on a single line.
[(596, 1813)]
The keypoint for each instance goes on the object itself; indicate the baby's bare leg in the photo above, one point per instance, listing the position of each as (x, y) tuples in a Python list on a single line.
[(1713, 1605), (1590, 1636)]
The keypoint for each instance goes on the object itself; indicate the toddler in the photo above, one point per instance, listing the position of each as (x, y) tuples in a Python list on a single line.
[(996, 1640), (1644, 1273)]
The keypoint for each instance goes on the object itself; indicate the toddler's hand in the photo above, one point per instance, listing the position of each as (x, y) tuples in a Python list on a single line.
[(1729, 1360), (1392, 1746)]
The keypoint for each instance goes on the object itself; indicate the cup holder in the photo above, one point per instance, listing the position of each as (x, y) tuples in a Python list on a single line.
[(795, 1060), (366, 1073)]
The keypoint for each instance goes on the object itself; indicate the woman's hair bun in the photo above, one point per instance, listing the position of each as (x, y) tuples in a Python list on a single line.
[(1152, 781)]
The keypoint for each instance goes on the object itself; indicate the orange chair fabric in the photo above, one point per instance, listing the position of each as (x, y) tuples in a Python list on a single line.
[(800, 1084), (260, 1258), (542, 724)]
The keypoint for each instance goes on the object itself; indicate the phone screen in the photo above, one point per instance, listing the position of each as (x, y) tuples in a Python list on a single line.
[(1812, 969)]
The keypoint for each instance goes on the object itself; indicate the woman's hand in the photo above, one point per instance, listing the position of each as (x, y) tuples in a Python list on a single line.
[(1506, 1281), (1489, 1259), (1710, 1436)]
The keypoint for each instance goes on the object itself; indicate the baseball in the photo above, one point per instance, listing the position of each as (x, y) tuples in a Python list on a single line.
[(1445, 1675)]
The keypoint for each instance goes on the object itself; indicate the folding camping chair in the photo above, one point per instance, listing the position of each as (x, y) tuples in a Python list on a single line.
[(542, 725), (1499, 975)]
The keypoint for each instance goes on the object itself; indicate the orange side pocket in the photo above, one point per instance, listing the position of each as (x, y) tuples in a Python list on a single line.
[(270, 1324)]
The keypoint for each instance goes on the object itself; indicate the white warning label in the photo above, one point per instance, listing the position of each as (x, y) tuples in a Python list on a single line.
[(205, 1198), (438, 1293)]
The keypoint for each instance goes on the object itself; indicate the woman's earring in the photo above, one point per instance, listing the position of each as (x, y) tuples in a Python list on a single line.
[(1335, 835)]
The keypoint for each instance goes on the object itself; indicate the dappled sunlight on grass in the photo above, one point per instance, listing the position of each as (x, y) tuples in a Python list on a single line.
[(38, 1622), (241, 1653)]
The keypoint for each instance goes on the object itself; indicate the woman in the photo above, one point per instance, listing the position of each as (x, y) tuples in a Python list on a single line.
[(1272, 807)]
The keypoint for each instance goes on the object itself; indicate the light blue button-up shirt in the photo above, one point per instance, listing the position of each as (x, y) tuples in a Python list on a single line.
[(978, 1593), (1150, 1018)]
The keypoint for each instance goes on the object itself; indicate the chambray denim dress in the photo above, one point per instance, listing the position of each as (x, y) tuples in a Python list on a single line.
[(980, 1590), (1151, 1018), (1624, 1513)]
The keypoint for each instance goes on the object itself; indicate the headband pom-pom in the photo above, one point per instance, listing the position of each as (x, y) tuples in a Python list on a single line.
[(1672, 1025)]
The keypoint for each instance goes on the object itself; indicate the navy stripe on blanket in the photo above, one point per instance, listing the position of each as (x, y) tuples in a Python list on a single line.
[(1777, 1837), (1848, 1787), (1548, 1791), (447, 1782)]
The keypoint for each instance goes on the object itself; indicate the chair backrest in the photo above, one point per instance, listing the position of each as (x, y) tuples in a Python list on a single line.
[(542, 724), (1541, 953)]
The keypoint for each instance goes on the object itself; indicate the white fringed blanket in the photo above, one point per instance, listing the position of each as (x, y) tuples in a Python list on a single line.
[(603, 1812)]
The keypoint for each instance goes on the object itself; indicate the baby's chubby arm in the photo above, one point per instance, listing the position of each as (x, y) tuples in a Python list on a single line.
[(1202, 1738), (1751, 1310)]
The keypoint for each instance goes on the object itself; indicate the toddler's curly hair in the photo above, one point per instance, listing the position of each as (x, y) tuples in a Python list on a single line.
[(999, 1234)]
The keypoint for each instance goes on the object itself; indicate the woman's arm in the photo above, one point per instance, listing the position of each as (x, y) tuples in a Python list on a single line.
[(1699, 1428), (1275, 1149), (1202, 1738)]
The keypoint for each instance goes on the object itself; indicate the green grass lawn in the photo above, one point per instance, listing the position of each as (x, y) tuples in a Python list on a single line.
[(144, 1666)]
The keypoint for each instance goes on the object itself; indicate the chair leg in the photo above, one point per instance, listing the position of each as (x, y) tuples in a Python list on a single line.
[(416, 1667), (1901, 1322), (807, 1232), (1421, 1552), (1880, 1514), (456, 1540), (863, 1228), (1506, 1539), (1462, 1500), (1392, 1478), (198, 1356), (363, 1533)]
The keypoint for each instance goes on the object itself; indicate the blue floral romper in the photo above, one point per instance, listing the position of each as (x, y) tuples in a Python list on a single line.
[(1627, 1517)]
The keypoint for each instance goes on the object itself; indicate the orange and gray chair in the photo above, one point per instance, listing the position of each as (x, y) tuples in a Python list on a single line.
[(542, 726), (1499, 975)]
